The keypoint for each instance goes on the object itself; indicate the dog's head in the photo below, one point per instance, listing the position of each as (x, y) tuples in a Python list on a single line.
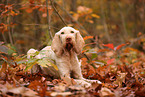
[(67, 39)]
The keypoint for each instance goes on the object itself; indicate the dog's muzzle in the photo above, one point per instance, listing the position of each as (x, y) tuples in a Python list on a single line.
[(69, 44)]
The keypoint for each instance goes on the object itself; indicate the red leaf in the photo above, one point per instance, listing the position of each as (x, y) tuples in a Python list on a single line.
[(110, 61), (29, 10), (88, 37), (3, 28), (44, 15), (119, 46), (109, 46)]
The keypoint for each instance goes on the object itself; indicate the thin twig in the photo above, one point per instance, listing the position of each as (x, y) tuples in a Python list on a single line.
[(48, 20), (52, 3), (9, 30)]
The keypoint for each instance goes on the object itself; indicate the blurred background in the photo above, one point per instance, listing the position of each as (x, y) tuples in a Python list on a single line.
[(26, 24)]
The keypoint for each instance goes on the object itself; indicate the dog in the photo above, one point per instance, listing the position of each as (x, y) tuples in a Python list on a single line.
[(66, 45)]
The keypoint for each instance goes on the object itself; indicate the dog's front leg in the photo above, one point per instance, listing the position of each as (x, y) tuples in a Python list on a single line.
[(77, 74), (64, 68)]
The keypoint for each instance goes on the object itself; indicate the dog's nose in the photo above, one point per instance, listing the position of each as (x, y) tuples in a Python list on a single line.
[(68, 39)]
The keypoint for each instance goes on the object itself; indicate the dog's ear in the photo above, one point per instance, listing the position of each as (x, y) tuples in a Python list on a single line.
[(56, 45), (79, 43)]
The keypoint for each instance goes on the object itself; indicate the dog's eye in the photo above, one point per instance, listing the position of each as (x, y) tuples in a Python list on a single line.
[(72, 31), (62, 32)]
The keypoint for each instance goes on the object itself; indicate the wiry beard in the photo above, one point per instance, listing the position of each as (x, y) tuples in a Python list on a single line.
[(68, 46)]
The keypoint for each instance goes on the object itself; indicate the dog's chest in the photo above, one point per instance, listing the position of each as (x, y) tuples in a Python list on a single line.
[(70, 58)]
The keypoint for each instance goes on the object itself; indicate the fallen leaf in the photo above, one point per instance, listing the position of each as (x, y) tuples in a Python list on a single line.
[(4, 67), (120, 79), (111, 61), (60, 93), (29, 93), (105, 92), (18, 90), (140, 93), (67, 80), (95, 87), (8, 89), (60, 87)]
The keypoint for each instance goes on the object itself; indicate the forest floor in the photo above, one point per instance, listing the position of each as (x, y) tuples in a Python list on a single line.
[(121, 71)]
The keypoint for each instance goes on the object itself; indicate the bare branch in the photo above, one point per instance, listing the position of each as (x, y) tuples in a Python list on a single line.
[(52, 3), (48, 20)]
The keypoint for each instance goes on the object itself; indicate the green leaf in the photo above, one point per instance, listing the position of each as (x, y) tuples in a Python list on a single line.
[(3, 49), (46, 63), (30, 63), (29, 66), (94, 55), (11, 49), (21, 62), (43, 63), (33, 54)]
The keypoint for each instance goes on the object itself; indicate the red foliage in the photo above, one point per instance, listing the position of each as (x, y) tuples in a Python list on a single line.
[(119, 47), (109, 46), (111, 61)]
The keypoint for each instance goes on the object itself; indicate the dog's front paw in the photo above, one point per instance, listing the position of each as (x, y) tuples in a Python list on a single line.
[(86, 84), (92, 81), (83, 83)]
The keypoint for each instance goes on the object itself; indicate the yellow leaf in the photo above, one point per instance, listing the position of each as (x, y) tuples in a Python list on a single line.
[(44, 63), (54, 66), (95, 16), (12, 12), (90, 21)]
